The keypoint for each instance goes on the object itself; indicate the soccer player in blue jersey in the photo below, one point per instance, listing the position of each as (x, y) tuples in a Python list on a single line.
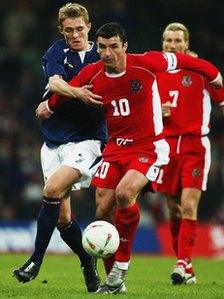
[(73, 140)]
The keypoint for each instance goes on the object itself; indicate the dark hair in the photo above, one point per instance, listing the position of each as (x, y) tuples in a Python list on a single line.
[(109, 30)]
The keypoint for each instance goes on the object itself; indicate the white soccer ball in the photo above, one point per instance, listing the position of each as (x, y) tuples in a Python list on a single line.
[(100, 239)]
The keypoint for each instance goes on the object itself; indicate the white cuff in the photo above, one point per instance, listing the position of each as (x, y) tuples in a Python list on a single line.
[(171, 61), (48, 108), (217, 78)]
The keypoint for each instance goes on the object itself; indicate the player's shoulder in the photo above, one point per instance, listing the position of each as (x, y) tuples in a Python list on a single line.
[(93, 68), (141, 58), (58, 46)]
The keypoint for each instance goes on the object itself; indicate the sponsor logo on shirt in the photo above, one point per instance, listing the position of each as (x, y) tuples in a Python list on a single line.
[(66, 62), (122, 141), (144, 159), (186, 81), (136, 85)]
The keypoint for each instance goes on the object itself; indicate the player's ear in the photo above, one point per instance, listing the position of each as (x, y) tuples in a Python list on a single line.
[(60, 29), (89, 25), (125, 46)]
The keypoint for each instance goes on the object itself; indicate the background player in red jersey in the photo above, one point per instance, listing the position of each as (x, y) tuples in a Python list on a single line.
[(136, 148), (186, 98)]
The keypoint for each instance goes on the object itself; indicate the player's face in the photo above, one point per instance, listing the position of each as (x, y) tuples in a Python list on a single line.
[(112, 52), (75, 32), (174, 41)]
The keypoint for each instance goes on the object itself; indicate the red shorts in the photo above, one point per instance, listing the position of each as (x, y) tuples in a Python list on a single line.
[(145, 157), (190, 159)]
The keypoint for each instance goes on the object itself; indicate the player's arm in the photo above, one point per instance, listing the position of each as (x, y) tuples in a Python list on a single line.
[(217, 95), (66, 92), (61, 87), (53, 65), (159, 62), (201, 66)]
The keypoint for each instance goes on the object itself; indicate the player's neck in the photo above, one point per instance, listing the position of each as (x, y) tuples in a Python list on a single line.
[(120, 67), (87, 46)]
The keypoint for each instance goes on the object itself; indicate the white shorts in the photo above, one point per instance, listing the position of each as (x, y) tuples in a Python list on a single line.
[(84, 156)]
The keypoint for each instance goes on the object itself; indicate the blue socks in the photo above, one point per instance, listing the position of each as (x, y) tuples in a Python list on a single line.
[(72, 236), (46, 223)]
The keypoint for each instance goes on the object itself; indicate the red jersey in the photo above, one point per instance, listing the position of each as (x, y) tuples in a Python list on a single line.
[(131, 101), (190, 95)]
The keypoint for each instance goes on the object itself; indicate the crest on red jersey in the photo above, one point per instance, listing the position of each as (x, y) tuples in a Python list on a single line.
[(186, 81), (136, 85), (196, 172)]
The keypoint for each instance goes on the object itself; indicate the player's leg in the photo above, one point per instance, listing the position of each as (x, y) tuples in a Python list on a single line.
[(183, 272), (195, 167), (84, 157), (105, 210), (71, 234), (54, 190), (126, 220), (59, 182), (174, 210), (105, 204), (49, 210)]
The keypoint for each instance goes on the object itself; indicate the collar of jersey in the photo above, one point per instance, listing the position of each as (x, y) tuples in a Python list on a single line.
[(113, 75), (174, 71), (91, 44)]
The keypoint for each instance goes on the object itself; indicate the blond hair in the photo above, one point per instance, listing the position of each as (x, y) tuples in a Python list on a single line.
[(72, 10), (176, 27)]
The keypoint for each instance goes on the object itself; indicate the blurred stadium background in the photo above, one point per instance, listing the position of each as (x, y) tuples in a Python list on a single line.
[(27, 28)]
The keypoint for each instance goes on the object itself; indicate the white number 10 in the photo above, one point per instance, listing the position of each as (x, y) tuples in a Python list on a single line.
[(121, 107)]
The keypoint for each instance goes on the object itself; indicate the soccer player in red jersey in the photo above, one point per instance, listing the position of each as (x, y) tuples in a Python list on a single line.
[(186, 98), (136, 148)]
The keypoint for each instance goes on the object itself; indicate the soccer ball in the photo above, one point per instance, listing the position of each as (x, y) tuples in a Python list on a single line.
[(100, 239)]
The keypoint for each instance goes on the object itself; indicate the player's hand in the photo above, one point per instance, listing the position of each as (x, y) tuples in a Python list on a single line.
[(42, 112), (218, 82), (166, 109), (88, 97)]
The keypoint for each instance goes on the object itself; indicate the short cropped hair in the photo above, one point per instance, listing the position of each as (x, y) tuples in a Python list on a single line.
[(72, 10), (109, 30), (177, 27)]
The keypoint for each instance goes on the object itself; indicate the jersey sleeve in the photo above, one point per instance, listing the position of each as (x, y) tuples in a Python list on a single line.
[(198, 65), (158, 62), (53, 62), (216, 94), (83, 78)]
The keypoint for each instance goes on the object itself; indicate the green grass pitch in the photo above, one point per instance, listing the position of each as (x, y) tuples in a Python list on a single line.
[(148, 277)]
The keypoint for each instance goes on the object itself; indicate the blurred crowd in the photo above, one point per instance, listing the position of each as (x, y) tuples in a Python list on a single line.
[(28, 27)]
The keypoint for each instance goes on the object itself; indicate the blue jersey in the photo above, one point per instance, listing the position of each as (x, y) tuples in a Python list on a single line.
[(74, 121)]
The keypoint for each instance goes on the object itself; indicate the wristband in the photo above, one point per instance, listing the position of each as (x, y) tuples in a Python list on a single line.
[(48, 108)]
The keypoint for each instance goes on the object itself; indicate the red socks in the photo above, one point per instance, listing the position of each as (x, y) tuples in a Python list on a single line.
[(175, 229), (108, 263), (126, 222), (186, 240)]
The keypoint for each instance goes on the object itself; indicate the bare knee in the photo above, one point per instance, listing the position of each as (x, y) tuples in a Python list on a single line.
[(51, 190), (189, 206), (125, 196), (189, 209)]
